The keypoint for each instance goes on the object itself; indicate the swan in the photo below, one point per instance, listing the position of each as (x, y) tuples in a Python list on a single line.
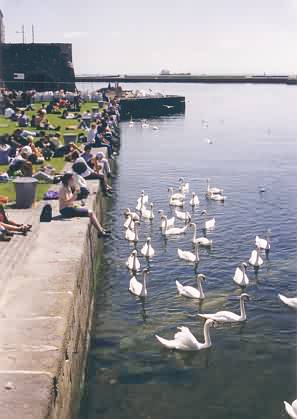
[(202, 241), (129, 223), (139, 288), (148, 213), (132, 236), (131, 123), (255, 259), (263, 243), (215, 197), (228, 316), (134, 215), (173, 230), (183, 187), (291, 302), (170, 221), (194, 201), (213, 190), (291, 409), (210, 224), (155, 128), (145, 124), (133, 263), (147, 249), (143, 199), (189, 256), (185, 341), (240, 276), (183, 215), (192, 292), (176, 196)]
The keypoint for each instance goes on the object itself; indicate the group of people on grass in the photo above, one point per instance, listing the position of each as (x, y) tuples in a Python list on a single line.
[(25, 148)]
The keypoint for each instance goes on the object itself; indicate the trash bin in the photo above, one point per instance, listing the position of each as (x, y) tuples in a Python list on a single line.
[(25, 190), (70, 138)]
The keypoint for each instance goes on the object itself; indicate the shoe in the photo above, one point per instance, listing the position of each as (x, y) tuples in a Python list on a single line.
[(102, 235), (4, 238)]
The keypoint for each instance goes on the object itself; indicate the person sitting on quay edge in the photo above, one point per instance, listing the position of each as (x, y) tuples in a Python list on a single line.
[(12, 226), (67, 197), (82, 168), (87, 155)]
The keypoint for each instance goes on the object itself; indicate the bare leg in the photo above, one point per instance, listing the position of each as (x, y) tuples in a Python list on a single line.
[(95, 222)]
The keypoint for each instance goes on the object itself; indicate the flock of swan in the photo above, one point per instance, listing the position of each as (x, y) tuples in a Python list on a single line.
[(184, 340)]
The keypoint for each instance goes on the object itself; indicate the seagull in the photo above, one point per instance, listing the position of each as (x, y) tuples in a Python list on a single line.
[(168, 106)]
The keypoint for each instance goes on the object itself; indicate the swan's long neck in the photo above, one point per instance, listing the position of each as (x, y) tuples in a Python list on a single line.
[(131, 221), (200, 289), (165, 218), (243, 272), (242, 309), (194, 234), (207, 334), (134, 261), (136, 232), (152, 212), (143, 291), (197, 252), (208, 185), (258, 256)]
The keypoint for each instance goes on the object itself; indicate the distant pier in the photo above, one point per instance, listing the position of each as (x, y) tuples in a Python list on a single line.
[(186, 78)]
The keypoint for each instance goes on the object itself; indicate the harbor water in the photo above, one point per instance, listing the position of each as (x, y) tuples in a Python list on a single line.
[(251, 367)]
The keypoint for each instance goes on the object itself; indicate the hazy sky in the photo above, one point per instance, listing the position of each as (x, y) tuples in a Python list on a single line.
[(136, 36)]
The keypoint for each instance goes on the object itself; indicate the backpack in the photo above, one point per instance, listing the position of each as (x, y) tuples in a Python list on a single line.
[(51, 195), (46, 214)]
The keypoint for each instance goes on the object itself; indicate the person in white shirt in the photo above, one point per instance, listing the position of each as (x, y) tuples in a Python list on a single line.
[(92, 133)]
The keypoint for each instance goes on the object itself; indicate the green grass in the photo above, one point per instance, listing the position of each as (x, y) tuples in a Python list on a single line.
[(8, 127)]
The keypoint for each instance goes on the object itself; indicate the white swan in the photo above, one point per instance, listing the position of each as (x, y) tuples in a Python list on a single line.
[(133, 263), (148, 213), (141, 201), (132, 236), (147, 249), (213, 190), (215, 197), (134, 215), (139, 288), (291, 302), (183, 187), (263, 243), (131, 123), (228, 316), (210, 224), (291, 409), (192, 292), (155, 128), (170, 221), (185, 341), (129, 223), (240, 276), (172, 231), (145, 124), (255, 259), (176, 196), (194, 201), (202, 241), (189, 256), (183, 215)]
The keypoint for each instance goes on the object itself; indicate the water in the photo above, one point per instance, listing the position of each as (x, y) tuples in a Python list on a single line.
[(251, 368)]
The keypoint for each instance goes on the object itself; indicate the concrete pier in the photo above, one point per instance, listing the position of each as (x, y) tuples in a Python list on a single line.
[(47, 283)]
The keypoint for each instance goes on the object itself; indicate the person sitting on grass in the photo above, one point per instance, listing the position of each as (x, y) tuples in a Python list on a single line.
[(67, 197), (11, 226)]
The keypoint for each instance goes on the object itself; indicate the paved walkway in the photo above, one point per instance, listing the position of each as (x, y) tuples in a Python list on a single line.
[(38, 282)]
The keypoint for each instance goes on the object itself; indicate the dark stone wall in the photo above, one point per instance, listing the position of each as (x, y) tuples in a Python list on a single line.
[(46, 66)]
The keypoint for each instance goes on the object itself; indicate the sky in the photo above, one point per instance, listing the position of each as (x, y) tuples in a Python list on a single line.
[(137, 36)]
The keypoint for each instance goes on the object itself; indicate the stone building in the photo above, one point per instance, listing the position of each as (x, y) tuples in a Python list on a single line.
[(26, 66)]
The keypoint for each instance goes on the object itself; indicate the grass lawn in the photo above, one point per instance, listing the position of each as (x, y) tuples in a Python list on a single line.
[(8, 127)]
